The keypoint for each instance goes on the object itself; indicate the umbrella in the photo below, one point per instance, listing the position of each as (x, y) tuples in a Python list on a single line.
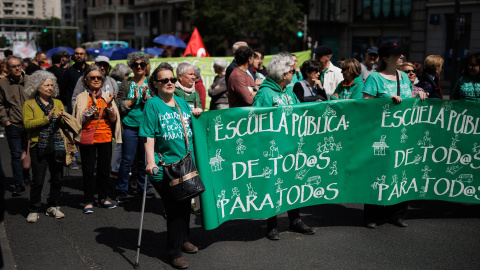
[(153, 50), (170, 40), (60, 48), (117, 53), (94, 51)]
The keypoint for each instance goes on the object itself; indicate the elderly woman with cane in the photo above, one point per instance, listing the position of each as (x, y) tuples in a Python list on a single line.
[(161, 111), (42, 116), (272, 93), (97, 112)]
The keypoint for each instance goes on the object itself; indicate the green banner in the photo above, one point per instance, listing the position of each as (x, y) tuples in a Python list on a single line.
[(259, 162)]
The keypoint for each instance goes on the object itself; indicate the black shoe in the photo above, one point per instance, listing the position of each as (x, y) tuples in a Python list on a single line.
[(149, 195), (18, 190), (121, 198), (400, 223), (27, 181), (371, 225), (300, 227), (273, 234)]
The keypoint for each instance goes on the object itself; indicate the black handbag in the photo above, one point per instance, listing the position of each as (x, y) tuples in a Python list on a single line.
[(183, 178)]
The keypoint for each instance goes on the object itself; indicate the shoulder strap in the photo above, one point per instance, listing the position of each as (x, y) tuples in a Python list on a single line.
[(398, 83)]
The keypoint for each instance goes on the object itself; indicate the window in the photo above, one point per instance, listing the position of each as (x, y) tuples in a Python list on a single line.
[(128, 22), (30, 13), (30, 5), (8, 5)]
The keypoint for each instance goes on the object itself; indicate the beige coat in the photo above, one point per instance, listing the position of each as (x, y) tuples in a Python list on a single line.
[(71, 126), (81, 104)]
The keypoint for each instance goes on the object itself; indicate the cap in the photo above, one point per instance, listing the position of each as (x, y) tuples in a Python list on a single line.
[(323, 50), (102, 58), (373, 50), (390, 48)]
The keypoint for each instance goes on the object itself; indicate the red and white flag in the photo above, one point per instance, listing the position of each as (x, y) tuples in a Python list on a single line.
[(195, 46)]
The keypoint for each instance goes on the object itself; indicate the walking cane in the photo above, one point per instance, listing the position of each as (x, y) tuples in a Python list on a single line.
[(154, 171)]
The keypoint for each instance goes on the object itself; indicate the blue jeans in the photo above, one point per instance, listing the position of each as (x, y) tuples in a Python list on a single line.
[(131, 144), (16, 141)]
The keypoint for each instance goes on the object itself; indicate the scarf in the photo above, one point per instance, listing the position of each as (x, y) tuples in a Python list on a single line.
[(186, 90), (99, 94), (50, 139)]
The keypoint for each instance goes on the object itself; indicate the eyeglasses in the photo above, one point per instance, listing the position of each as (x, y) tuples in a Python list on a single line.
[(96, 78), (472, 65), (141, 64), (165, 81), (291, 72), (409, 71), (15, 67)]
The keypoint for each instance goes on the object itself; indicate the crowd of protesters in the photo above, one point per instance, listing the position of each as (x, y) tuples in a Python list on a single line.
[(97, 106)]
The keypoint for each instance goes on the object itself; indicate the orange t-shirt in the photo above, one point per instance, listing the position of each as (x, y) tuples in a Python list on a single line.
[(103, 134)]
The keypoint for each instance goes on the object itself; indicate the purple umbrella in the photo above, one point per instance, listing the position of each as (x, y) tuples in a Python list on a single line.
[(153, 50), (94, 51), (60, 48), (170, 40), (118, 53)]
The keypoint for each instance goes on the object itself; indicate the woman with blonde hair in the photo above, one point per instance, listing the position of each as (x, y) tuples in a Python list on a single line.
[(430, 80)]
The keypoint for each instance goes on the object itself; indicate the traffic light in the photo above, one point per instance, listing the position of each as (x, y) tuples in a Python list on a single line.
[(45, 29), (300, 29), (7, 42)]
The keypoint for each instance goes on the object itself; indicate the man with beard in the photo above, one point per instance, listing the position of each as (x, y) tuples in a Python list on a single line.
[(71, 76), (37, 63), (59, 62)]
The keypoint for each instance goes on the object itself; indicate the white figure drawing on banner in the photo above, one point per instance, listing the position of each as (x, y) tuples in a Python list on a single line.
[(221, 197), (287, 110), (417, 159), (415, 103), (423, 191), (251, 192), (329, 145), (380, 147), (279, 205), (216, 162), (329, 111), (273, 150), (218, 120), (267, 172), (447, 105), (252, 113), (404, 176), (425, 171), (236, 192), (465, 178), (386, 108), (338, 147), (240, 147), (476, 148), (454, 169), (404, 136), (300, 145), (301, 174), (454, 141), (394, 179), (314, 180), (334, 168), (426, 140), (379, 181), (278, 184)]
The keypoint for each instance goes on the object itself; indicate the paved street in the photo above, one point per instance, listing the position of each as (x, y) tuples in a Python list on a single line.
[(440, 235)]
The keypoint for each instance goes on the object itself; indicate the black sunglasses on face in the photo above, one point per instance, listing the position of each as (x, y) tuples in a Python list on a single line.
[(142, 65), (93, 78), (409, 71), (165, 81)]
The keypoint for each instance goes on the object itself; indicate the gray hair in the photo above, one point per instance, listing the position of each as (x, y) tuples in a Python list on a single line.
[(182, 67), (197, 71), (220, 62), (237, 44), (279, 65), (34, 81), (86, 75), (135, 56), (120, 71)]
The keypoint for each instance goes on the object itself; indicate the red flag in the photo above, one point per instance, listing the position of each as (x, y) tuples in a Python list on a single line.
[(195, 46)]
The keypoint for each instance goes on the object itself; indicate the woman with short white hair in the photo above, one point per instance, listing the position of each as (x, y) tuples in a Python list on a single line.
[(42, 116), (272, 93), (218, 90)]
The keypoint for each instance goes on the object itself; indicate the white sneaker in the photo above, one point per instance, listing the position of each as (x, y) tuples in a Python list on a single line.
[(55, 212), (32, 217)]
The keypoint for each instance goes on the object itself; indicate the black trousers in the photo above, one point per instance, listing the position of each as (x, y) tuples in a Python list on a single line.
[(101, 154), (292, 216), (39, 170), (390, 213), (178, 220)]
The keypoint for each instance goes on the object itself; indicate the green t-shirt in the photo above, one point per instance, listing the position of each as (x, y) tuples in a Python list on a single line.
[(467, 89), (353, 91), (134, 115), (295, 78), (322, 75), (379, 87), (162, 122)]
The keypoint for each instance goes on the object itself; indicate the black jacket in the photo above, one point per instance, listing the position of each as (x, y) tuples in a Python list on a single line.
[(430, 86)]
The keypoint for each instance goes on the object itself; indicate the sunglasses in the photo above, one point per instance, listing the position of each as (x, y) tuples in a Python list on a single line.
[(409, 71), (141, 64), (165, 81), (96, 78)]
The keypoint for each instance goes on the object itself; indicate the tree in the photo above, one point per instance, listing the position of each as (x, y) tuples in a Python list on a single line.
[(261, 22), (65, 38)]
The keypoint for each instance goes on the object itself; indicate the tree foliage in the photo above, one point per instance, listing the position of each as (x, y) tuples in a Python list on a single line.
[(271, 22), (65, 38)]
